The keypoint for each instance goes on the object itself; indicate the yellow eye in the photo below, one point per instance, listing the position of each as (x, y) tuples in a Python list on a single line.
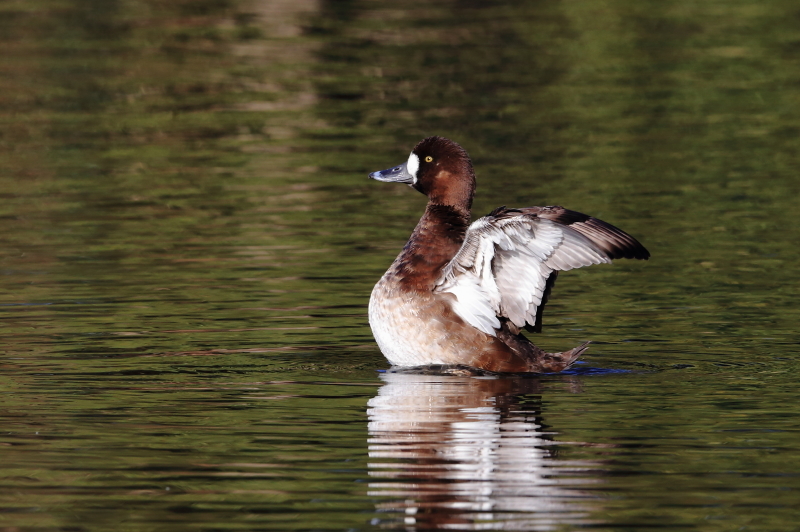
[(428, 159)]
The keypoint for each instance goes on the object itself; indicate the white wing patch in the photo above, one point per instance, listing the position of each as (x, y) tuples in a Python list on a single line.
[(503, 266), (474, 304)]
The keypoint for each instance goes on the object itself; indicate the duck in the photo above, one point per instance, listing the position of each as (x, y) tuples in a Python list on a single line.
[(459, 294)]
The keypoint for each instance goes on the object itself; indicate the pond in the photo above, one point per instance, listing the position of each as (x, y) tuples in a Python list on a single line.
[(188, 240)]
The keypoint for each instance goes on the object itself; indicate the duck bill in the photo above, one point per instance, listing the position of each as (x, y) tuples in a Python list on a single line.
[(398, 174)]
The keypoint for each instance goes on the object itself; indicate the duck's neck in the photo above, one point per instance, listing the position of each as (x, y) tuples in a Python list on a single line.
[(434, 242)]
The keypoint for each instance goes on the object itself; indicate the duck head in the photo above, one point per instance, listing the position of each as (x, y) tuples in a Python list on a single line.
[(440, 169)]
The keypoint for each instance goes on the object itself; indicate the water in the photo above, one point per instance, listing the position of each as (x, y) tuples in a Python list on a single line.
[(188, 240)]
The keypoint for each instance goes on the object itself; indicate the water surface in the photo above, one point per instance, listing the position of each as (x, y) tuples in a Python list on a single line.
[(188, 241)]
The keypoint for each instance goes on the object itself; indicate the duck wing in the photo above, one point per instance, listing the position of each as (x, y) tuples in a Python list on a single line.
[(510, 258)]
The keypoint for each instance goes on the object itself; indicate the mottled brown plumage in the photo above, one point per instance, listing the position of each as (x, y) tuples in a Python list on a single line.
[(436, 239)]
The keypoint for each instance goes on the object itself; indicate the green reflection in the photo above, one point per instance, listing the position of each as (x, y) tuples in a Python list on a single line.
[(188, 240)]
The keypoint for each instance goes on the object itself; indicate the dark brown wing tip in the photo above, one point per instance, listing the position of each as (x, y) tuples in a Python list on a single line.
[(616, 243)]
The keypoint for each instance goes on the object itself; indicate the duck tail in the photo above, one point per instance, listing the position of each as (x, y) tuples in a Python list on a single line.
[(555, 362)]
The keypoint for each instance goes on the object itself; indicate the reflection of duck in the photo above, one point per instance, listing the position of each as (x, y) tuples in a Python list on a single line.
[(466, 453), (460, 293)]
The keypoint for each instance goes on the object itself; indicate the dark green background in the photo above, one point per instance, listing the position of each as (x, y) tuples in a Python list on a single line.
[(188, 241)]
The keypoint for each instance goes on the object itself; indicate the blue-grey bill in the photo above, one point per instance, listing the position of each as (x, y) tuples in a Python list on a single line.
[(398, 174)]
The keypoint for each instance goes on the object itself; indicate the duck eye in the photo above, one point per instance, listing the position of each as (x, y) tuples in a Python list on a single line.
[(428, 159)]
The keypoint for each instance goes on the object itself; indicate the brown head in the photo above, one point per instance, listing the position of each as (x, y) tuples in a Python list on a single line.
[(440, 169)]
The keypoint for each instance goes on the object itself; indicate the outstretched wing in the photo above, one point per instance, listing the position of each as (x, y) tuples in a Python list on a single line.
[(510, 258)]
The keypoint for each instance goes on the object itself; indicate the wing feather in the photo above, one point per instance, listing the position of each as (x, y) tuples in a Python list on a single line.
[(508, 261)]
